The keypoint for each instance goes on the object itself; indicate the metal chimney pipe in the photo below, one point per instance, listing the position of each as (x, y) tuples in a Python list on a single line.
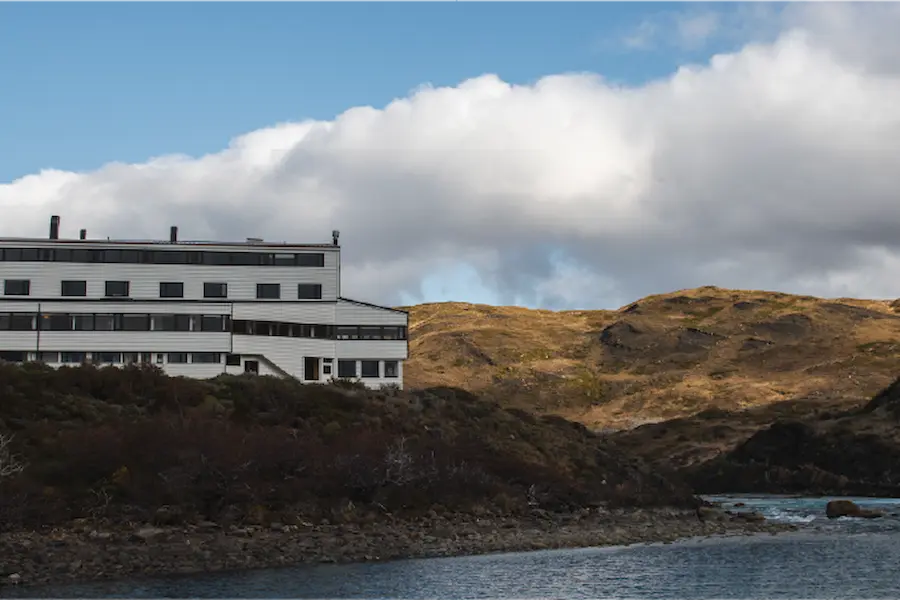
[(82, 235), (54, 227), (173, 234)]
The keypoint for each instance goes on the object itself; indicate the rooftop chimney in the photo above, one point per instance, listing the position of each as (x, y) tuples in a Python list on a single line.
[(82, 235), (334, 237), (173, 234), (54, 227)]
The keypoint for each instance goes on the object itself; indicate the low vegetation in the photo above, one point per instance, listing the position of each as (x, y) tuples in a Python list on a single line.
[(133, 444)]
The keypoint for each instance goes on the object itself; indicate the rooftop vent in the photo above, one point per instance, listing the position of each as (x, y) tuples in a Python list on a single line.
[(54, 227), (335, 234), (82, 235), (173, 234), (254, 240)]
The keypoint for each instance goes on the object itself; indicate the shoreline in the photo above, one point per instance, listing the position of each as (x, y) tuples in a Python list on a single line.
[(88, 552)]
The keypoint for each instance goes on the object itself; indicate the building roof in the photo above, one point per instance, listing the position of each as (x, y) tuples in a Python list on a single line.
[(186, 243), (370, 305)]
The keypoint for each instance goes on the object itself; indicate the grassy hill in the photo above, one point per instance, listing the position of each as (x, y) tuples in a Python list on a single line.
[(662, 357)]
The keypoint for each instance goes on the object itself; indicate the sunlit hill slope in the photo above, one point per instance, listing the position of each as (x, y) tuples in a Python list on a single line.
[(661, 357)]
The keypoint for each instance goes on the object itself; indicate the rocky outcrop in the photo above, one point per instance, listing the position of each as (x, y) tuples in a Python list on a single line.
[(850, 453), (847, 508)]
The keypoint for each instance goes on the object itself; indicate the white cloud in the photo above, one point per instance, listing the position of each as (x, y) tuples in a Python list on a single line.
[(777, 166)]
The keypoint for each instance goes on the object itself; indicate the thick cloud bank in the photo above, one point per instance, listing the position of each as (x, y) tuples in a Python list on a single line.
[(777, 167)]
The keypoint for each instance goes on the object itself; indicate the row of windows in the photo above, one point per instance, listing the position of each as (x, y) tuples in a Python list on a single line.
[(331, 332), (366, 369), (164, 257), (117, 358), (167, 289), (180, 322)]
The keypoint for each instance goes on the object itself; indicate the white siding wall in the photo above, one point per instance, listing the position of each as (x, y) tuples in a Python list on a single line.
[(285, 353), (349, 313), (133, 341), (396, 349), (311, 313)]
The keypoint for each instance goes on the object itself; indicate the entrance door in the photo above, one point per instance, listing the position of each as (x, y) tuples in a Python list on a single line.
[(251, 366), (311, 368)]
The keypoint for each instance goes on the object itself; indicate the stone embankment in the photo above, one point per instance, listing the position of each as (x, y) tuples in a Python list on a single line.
[(86, 551)]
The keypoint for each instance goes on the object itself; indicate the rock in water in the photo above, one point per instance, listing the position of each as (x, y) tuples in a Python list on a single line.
[(847, 508)]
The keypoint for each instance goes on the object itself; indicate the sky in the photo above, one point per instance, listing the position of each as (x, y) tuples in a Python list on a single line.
[(556, 155)]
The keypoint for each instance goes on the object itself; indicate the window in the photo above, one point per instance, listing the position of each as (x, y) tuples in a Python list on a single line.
[(72, 357), (135, 323), (74, 288), (284, 260), (346, 368), (104, 323), (106, 358), (117, 289), (346, 332), (171, 289), (370, 368), (311, 259), (213, 323), (56, 322), (268, 291), (177, 358), (21, 322), (215, 290), (370, 333), (391, 368), (17, 287), (392, 333), (207, 358), (233, 360), (309, 291), (13, 356), (83, 322), (48, 357), (130, 358)]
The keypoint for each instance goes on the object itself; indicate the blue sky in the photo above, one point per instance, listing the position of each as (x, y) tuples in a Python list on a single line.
[(88, 84)]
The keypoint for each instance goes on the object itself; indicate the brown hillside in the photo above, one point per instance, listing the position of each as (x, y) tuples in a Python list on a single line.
[(663, 357)]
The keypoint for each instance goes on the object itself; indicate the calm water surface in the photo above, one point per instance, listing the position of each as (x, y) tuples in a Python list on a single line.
[(840, 558)]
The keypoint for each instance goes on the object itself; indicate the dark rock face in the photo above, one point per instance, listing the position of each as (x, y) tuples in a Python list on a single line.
[(846, 508), (797, 457), (787, 326), (692, 340), (751, 344), (623, 335), (745, 305)]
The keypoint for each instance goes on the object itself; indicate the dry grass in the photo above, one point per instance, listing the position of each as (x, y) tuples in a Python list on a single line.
[(662, 357)]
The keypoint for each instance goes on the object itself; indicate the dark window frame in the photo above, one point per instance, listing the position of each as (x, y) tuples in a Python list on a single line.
[(221, 291), (370, 364), (109, 292), (16, 287), (342, 373), (73, 288), (394, 371), (171, 289), (261, 293), (313, 291)]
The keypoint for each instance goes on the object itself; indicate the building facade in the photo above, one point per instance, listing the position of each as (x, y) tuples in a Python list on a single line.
[(196, 309)]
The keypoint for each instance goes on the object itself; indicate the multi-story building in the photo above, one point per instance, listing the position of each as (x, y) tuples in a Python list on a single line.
[(194, 308)]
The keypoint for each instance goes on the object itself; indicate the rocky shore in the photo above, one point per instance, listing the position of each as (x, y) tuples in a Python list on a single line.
[(86, 551)]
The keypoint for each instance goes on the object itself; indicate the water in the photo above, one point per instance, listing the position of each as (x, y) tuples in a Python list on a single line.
[(840, 558)]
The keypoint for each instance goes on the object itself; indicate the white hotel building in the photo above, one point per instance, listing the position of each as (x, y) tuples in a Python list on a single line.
[(196, 309)]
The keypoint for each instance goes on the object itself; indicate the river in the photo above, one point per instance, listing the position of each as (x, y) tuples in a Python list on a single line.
[(841, 558)]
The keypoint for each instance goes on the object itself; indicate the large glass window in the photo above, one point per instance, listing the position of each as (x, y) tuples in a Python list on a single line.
[(74, 288), (346, 369)]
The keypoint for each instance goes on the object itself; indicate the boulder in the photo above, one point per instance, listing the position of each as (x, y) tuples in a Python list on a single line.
[(847, 508)]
